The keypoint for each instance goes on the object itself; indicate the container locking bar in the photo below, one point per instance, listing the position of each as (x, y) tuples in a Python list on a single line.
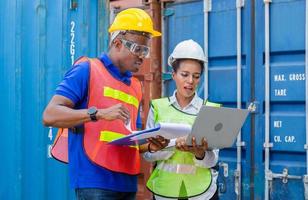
[(305, 180), (237, 183), (267, 144), (269, 176), (284, 176), (239, 142), (207, 7)]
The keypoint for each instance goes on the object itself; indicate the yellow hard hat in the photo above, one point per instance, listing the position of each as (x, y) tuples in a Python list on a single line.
[(133, 19)]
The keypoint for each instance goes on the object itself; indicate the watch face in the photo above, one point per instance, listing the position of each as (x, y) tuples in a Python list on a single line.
[(92, 110)]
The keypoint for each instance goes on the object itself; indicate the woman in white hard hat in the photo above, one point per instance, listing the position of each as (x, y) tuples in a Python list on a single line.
[(184, 172)]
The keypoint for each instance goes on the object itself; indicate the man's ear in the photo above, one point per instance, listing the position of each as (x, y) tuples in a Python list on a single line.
[(116, 43), (173, 74)]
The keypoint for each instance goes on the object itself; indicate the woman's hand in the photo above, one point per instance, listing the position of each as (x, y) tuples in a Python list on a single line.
[(157, 143), (197, 150)]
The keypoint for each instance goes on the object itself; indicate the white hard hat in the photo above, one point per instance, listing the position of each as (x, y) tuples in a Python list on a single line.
[(187, 49)]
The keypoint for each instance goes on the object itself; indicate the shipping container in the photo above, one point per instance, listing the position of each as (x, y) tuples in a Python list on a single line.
[(39, 40), (256, 54)]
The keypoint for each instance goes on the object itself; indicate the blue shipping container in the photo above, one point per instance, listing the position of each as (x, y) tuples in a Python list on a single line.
[(274, 136), (38, 42)]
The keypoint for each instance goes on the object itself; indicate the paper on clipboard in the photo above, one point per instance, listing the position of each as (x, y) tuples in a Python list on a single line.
[(166, 130)]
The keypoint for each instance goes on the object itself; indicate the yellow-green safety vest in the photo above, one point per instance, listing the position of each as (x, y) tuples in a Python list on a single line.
[(177, 177)]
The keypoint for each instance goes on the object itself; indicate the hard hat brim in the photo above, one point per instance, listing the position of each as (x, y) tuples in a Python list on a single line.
[(155, 33)]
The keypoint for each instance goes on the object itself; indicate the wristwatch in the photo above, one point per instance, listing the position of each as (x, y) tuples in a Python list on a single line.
[(92, 113)]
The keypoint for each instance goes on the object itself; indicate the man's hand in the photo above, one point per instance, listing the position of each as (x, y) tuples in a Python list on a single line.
[(117, 111), (197, 150), (60, 113)]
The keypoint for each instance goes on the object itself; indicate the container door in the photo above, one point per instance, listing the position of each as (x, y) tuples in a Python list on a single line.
[(185, 20), (281, 28), (39, 41)]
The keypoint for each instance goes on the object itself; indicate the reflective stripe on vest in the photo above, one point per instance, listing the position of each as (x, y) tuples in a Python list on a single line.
[(177, 168), (177, 177), (108, 136), (122, 96)]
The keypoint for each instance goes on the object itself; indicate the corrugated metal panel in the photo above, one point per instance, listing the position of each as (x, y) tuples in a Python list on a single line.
[(287, 96), (287, 89), (39, 40)]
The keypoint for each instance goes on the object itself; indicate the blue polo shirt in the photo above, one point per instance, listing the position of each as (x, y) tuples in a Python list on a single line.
[(83, 173)]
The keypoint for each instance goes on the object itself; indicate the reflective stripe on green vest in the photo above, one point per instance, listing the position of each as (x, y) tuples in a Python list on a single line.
[(177, 177)]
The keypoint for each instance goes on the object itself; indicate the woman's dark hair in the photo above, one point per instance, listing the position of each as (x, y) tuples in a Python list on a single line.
[(176, 64)]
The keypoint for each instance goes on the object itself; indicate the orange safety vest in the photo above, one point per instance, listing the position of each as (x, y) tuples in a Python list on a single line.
[(106, 91), (59, 149)]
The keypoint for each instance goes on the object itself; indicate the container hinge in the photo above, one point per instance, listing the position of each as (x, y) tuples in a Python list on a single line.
[(223, 185), (168, 12), (73, 4), (305, 180), (240, 144), (268, 145), (207, 7), (166, 76), (240, 3), (225, 168), (269, 175), (253, 107), (269, 178), (49, 146)]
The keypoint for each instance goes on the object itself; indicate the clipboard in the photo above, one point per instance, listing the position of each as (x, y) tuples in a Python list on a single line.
[(166, 130), (218, 125), (128, 140)]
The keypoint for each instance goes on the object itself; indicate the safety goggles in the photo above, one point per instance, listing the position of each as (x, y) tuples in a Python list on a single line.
[(137, 49)]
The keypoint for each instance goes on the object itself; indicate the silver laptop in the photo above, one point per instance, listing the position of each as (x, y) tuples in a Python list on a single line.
[(218, 125)]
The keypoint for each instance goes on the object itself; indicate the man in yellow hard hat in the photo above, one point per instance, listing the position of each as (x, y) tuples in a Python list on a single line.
[(98, 101)]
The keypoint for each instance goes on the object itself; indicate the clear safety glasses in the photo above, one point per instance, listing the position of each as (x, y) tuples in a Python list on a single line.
[(137, 49)]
